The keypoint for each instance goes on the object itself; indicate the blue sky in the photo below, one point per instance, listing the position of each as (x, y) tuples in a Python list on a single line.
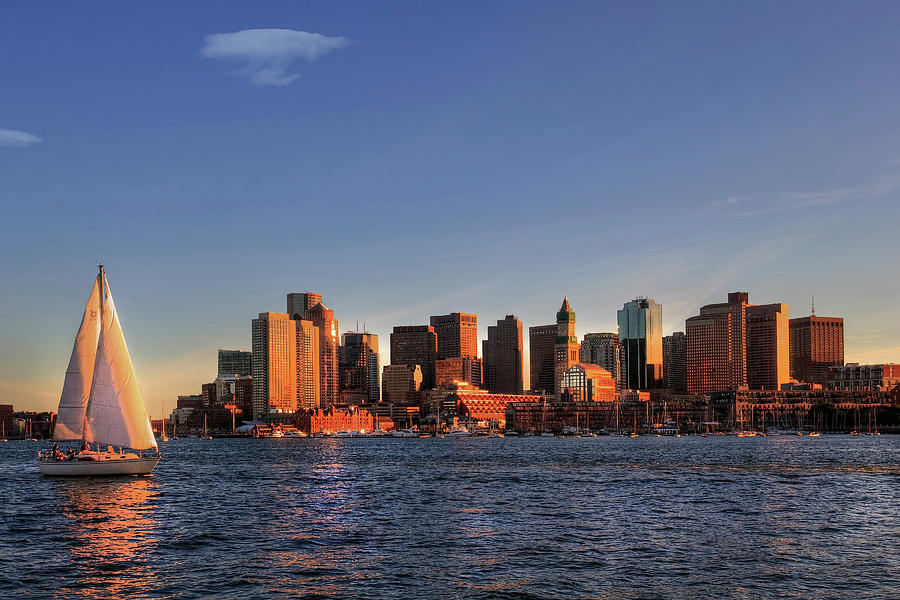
[(417, 158)]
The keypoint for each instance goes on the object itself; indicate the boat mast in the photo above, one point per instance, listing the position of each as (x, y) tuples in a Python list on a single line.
[(91, 395)]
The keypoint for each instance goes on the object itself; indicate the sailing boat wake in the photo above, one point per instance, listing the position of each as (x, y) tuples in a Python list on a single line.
[(101, 403)]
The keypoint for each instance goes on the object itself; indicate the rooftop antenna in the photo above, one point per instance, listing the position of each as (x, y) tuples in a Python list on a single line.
[(813, 305)]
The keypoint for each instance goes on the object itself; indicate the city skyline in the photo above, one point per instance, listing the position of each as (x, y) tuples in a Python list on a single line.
[(705, 148)]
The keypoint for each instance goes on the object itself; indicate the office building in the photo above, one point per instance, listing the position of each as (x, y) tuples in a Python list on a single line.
[(413, 345), (640, 333), (542, 357), (867, 378), (816, 344), (234, 362), (603, 349), (768, 346), (565, 346), (457, 335), (584, 382), (452, 370), (675, 361), (359, 364), (716, 343), (323, 318), (400, 384), (299, 304), (309, 365), (502, 354), (274, 364)]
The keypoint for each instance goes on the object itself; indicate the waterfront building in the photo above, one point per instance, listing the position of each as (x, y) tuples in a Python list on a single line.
[(603, 349), (413, 345), (334, 419), (716, 342), (566, 345), (487, 407), (585, 382), (502, 353), (675, 361), (6, 420), (816, 344), (457, 335), (542, 350), (450, 370), (299, 304), (400, 384), (640, 333), (323, 318), (234, 362), (359, 364), (857, 377), (768, 346), (274, 364)]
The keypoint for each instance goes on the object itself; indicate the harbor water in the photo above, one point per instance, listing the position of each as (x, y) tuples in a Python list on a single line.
[(606, 517)]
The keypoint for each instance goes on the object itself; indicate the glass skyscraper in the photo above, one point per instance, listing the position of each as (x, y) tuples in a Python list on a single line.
[(640, 333)]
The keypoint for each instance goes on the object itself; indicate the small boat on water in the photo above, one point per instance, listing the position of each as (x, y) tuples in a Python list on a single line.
[(511, 433), (405, 433), (460, 432), (101, 403), (343, 434), (814, 434)]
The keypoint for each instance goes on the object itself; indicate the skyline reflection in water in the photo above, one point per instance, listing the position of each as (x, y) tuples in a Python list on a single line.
[(531, 517)]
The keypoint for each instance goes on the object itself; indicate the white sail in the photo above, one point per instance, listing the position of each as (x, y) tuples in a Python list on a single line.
[(77, 387), (116, 414)]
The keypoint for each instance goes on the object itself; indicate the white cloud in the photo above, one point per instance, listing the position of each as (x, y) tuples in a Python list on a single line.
[(17, 139), (265, 55), (882, 187)]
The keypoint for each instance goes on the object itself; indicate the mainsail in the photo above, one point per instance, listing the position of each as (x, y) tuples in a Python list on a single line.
[(77, 387), (115, 413)]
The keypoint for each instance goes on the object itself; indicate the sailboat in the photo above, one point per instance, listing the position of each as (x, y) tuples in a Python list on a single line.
[(101, 404)]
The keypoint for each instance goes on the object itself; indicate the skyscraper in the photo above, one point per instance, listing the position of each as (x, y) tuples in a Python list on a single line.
[(457, 335), (816, 343), (502, 354), (274, 364), (603, 349), (542, 351), (675, 361), (234, 362), (309, 380), (359, 363), (768, 346), (323, 318), (716, 342), (640, 333), (298, 304), (413, 345), (566, 346)]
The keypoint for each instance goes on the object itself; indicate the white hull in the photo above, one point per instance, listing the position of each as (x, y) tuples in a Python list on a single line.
[(82, 468)]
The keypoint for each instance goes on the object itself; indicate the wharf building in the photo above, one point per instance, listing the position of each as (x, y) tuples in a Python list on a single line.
[(603, 349), (675, 361), (640, 333), (234, 362), (413, 345), (483, 407), (816, 345), (503, 354), (465, 369), (457, 335), (360, 368), (566, 345), (542, 350), (857, 377), (584, 382), (400, 384)]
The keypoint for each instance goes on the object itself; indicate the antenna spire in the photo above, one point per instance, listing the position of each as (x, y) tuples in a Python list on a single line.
[(813, 305)]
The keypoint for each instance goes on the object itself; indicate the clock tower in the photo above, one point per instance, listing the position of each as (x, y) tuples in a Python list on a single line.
[(566, 345)]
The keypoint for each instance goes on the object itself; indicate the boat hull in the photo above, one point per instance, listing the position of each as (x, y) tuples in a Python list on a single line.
[(99, 468)]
